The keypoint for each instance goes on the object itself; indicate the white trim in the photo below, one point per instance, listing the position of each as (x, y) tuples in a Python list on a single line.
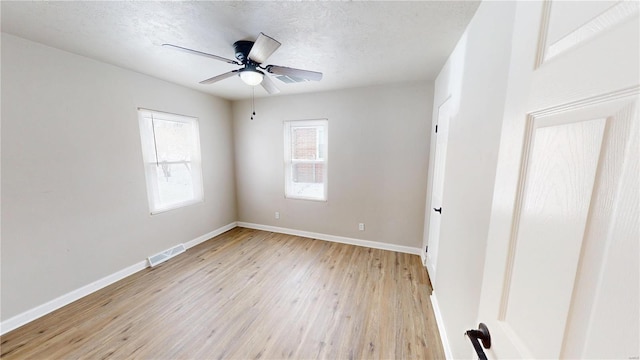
[(41, 310), (44, 309), (333, 238), (431, 271), (210, 235), (443, 333)]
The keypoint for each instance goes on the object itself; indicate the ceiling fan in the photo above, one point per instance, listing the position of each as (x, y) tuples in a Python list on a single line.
[(251, 55)]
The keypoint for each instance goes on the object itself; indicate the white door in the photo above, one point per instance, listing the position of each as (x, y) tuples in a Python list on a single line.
[(442, 134), (561, 276)]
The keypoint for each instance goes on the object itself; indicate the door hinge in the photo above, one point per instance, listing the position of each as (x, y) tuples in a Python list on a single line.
[(436, 129), (426, 249)]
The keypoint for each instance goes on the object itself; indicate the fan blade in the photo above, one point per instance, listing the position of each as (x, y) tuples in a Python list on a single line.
[(196, 52), (268, 85), (219, 77), (295, 73), (263, 48)]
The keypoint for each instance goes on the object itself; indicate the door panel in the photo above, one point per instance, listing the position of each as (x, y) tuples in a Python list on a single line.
[(565, 219), (615, 309), (566, 25), (557, 186), (600, 233)]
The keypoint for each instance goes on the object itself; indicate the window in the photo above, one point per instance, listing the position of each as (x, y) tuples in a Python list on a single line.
[(305, 157), (171, 154)]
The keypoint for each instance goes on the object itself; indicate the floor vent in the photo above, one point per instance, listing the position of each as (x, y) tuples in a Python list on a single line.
[(166, 255)]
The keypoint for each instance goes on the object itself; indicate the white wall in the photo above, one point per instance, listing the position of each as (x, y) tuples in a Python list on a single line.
[(378, 153), (475, 76), (74, 206)]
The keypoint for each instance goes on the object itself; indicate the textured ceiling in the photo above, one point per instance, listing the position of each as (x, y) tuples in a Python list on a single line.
[(352, 43)]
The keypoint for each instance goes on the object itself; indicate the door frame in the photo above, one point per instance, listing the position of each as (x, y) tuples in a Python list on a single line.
[(431, 239)]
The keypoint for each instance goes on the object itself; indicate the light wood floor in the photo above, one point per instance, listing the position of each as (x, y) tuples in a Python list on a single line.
[(249, 294)]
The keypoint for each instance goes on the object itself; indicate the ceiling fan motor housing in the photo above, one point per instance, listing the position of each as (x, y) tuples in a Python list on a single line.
[(242, 48)]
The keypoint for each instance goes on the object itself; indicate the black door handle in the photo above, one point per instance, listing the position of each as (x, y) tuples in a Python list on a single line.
[(484, 336), (438, 210)]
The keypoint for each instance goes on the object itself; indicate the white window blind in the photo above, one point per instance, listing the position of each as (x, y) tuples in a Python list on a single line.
[(306, 159), (171, 154)]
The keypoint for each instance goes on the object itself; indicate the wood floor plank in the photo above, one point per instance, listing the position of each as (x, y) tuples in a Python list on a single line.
[(248, 294)]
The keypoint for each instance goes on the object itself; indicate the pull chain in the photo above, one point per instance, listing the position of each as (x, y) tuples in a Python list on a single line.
[(253, 102)]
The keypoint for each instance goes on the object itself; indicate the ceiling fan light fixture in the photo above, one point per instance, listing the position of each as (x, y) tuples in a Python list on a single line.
[(251, 77)]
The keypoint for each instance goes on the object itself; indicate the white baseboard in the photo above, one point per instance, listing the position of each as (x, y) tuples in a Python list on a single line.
[(432, 274), (333, 238), (443, 333), (214, 233), (41, 310)]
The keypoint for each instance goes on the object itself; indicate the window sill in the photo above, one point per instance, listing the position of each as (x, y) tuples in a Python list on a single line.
[(175, 206)]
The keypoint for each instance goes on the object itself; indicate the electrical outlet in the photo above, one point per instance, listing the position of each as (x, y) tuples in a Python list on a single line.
[(277, 215), (361, 226)]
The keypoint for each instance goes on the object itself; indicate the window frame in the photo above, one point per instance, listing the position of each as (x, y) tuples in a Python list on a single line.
[(146, 121), (289, 162)]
